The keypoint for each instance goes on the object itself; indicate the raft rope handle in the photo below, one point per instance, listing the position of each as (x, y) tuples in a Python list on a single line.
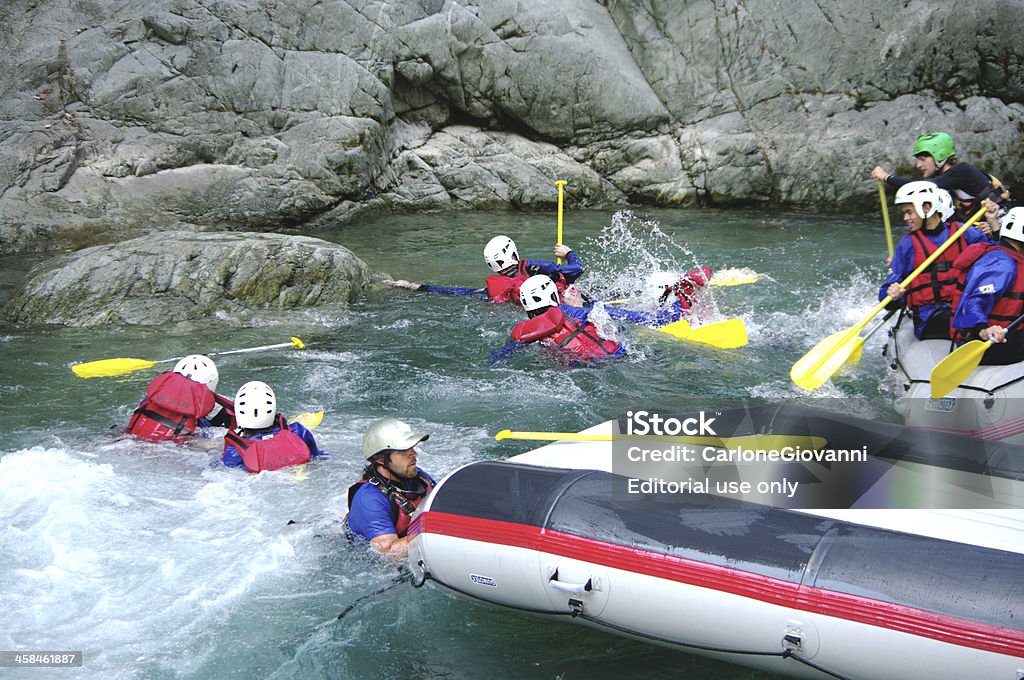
[(567, 587), (419, 582)]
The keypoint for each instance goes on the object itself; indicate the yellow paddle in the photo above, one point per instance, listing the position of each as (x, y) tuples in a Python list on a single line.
[(559, 183), (828, 356), (309, 420), (954, 369), (768, 442), (885, 216), (727, 334), (121, 366), (734, 277), (858, 349)]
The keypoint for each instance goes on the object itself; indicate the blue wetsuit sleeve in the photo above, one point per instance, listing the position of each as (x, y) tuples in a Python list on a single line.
[(504, 352), (452, 290), (661, 317), (974, 235), (571, 269), (308, 438), (579, 314), (370, 514), (901, 265), (990, 276)]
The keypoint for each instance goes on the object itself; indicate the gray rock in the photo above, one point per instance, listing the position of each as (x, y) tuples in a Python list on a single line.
[(178, 276), (241, 114)]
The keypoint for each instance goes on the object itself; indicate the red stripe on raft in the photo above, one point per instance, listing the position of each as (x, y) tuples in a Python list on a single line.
[(1001, 430), (864, 610)]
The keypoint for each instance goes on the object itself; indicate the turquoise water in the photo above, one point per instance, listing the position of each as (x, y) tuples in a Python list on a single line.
[(156, 562)]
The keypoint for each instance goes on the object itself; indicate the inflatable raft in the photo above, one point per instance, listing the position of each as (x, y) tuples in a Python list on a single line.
[(867, 594), (989, 404)]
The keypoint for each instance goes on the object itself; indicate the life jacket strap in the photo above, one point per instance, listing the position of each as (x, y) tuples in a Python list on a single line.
[(581, 329), (178, 426)]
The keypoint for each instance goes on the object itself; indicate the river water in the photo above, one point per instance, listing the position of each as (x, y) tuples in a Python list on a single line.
[(157, 562)]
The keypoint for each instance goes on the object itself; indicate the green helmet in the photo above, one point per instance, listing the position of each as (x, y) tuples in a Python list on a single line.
[(938, 145)]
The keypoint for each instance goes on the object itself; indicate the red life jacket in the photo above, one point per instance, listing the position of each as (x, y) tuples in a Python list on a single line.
[(565, 332), (1011, 304), (403, 502), (280, 450), (687, 285), (502, 288), (172, 405), (936, 284)]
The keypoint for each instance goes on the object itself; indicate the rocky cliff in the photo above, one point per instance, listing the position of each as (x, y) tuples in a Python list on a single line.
[(122, 117)]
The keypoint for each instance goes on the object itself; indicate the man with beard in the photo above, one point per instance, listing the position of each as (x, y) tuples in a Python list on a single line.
[(382, 502)]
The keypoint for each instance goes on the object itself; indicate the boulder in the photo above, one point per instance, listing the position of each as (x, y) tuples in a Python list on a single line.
[(176, 276)]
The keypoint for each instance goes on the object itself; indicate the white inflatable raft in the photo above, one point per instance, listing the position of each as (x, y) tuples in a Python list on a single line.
[(865, 594), (988, 405)]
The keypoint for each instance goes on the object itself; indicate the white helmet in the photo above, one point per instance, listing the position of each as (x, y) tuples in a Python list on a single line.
[(919, 193), (500, 253), (538, 292), (946, 207), (199, 368), (390, 434), (1012, 225), (255, 406)]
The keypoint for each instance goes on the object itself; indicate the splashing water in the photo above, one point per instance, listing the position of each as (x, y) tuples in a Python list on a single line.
[(158, 562), (633, 260)]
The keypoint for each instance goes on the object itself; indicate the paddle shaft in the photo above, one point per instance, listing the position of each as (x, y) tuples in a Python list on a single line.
[(885, 216), (250, 349), (881, 322), (559, 183), (766, 440)]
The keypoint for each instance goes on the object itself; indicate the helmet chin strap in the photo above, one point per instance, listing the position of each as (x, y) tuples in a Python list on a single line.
[(384, 469)]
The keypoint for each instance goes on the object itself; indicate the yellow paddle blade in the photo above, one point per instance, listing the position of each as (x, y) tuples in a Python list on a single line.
[(297, 344), (768, 442), (110, 367), (825, 358), (956, 368), (724, 334), (856, 353), (308, 420), (734, 277)]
